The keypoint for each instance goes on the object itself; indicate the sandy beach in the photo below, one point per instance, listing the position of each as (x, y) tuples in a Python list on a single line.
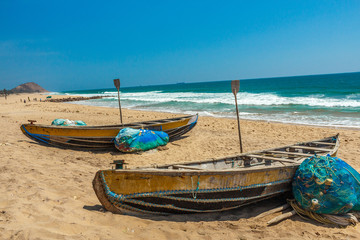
[(46, 192)]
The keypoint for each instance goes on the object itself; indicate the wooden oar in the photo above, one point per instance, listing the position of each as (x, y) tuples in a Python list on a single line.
[(235, 86), (275, 210), (117, 85), (281, 217)]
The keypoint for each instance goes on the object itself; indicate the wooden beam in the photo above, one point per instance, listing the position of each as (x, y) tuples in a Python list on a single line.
[(292, 153), (187, 167), (281, 217), (272, 158), (312, 148), (275, 210), (325, 143)]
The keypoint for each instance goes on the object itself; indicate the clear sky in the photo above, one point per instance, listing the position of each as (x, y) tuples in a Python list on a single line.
[(73, 45)]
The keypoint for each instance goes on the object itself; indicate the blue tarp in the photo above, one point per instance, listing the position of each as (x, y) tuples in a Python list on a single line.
[(327, 185), (132, 140)]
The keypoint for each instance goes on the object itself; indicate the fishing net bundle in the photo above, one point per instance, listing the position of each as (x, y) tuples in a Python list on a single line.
[(67, 122), (326, 189), (345, 219), (132, 140)]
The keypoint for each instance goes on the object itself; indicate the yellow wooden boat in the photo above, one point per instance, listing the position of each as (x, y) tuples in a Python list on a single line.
[(206, 186), (101, 137)]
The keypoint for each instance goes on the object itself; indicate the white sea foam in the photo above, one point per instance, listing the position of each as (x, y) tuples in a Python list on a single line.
[(261, 99), (255, 106), (354, 96), (250, 99), (52, 93)]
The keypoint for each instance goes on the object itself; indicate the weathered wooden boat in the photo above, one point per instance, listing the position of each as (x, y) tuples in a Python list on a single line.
[(101, 137), (206, 186)]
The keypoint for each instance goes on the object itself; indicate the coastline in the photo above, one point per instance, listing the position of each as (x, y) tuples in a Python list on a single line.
[(46, 192), (228, 117)]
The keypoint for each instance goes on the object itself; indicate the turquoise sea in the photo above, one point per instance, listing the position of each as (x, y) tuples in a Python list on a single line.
[(326, 100)]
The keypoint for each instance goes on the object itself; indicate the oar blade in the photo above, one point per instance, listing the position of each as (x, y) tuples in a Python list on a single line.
[(235, 86), (117, 83)]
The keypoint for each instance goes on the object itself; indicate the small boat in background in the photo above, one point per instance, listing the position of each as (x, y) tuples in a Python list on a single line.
[(101, 137), (206, 186)]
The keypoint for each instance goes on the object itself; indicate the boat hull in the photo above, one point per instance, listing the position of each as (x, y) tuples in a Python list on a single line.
[(206, 186), (190, 192), (102, 137)]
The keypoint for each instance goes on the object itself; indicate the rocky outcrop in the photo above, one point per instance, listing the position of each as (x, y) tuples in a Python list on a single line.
[(29, 87)]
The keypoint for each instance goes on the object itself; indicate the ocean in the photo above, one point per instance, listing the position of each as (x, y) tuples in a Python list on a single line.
[(322, 100)]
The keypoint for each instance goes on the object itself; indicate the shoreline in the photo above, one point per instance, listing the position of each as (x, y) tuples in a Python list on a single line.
[(61, 97), (58, 95), (46, 192)]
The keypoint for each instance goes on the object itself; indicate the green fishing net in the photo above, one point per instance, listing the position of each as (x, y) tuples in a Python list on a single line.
[(132, 140), (67, 122), (325, 184)]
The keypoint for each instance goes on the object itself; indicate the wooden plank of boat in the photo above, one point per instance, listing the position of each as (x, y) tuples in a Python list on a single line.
[(312, 148), (187, 167), (271, 158), (324, 143), (292, 153)]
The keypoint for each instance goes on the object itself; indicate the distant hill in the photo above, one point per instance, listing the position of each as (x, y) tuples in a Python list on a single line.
[(29, 87)]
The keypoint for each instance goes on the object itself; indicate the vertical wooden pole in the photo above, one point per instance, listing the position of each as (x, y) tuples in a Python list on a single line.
[(235, 86), (117, 85)]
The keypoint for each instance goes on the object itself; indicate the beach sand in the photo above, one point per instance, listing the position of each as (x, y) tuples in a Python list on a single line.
[(46, 192)]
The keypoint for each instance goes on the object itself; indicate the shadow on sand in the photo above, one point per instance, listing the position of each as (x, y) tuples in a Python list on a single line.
[(245, 212)]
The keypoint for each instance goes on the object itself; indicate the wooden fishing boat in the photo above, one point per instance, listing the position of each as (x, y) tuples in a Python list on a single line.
[(206, 186), (101, 137)]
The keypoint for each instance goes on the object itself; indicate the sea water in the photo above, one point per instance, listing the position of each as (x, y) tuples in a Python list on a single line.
[(324, 100)]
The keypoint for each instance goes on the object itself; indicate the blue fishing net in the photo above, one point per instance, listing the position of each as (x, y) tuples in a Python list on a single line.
[(132, 140), (67, 122), (325, 184)]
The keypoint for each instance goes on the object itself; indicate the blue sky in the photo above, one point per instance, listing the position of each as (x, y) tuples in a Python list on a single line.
[(72, 45)]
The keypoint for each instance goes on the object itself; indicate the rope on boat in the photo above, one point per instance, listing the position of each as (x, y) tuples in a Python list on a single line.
[(194, 193), (340, 220)]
